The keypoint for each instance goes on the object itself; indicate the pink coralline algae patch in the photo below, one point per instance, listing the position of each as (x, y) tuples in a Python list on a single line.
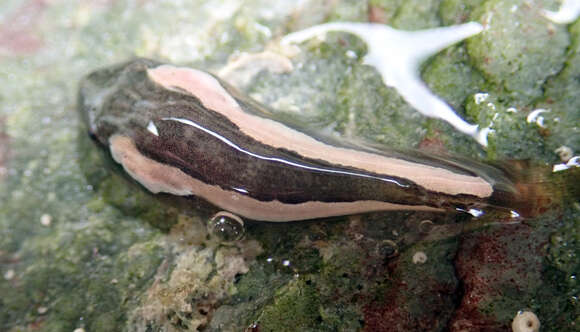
[(390, 316), (18, 34), (400, 310), (499, 268), (420, 297)]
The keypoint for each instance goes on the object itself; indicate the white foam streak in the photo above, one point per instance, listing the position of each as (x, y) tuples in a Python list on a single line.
[(397, 55), (573, 162), (569, 11)]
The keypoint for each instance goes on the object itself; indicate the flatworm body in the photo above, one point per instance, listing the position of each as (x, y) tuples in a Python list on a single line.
[(184, 132)]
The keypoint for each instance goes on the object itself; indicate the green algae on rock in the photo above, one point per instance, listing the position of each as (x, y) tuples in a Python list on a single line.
[(560, 98), (519, 49), (44, 286)]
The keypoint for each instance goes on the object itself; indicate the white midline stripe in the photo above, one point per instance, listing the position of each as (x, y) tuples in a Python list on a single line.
[(213, 96), (161, 178)]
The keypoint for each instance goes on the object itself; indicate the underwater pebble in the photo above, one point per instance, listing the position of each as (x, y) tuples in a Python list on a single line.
[(9, 274), (45, 220), (42, 310), (525, 321), (419, 257), (80, 329)]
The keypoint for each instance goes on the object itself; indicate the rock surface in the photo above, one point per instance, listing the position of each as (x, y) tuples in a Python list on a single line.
[(80, 247)]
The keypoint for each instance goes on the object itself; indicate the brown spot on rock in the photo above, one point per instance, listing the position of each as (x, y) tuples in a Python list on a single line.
[(4, 149), (377, 15), (433, 144)]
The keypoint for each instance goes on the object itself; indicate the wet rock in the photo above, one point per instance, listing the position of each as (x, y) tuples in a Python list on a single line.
[(4, 149), (500, 269), (113, 259), (519, 48)]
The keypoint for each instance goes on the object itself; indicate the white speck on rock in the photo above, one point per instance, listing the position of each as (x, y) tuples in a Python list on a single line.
[(419, 257), (535, 116), (573, 162), (9, 275), (569, 11), (46, 220), (480, 97)]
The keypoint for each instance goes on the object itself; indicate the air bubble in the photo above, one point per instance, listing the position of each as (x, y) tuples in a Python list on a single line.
[(388, 249), (226, 226)]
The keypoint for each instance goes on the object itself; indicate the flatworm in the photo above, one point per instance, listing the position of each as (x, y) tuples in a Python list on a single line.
[(184, 132)]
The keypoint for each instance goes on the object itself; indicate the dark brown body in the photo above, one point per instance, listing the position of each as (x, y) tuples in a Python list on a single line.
[(176, 130)]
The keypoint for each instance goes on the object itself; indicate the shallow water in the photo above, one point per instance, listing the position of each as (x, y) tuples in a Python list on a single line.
[(80, 247)]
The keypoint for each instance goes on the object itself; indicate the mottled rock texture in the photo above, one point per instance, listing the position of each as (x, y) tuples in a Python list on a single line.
[(113, 259)]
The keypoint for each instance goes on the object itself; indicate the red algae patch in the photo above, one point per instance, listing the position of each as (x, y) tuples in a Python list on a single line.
[(491, 264)]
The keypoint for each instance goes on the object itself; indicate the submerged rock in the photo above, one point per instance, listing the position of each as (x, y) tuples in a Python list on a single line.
[(112, 258)]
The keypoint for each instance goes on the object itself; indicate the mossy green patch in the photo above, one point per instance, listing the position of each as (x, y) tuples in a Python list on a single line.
[(558, 302), (511, 135), (134, 201), (423, 277), (295, 307), (408, 15), (417, 14), (450, 75), (519, 49), (376, 112), (561, 99), (457, 11), (80, 274), (349, 11)]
